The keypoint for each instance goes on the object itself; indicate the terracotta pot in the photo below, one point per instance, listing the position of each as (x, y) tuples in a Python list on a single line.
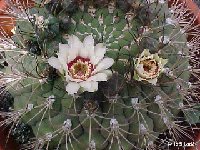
[(194, 8), (2, 6), (6, 25), (25, 3), (7, 22)]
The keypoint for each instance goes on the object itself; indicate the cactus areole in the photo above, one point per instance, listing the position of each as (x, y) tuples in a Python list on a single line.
[(103, 75)]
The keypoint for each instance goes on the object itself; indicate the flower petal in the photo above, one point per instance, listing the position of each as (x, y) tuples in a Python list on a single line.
[(100, 50), (89, 45), (99, 53), (75, 46), (55, 63), (164, 61), (98, 77), (145, 53), (74, 42), (63, 53), (86, 85), (104, 64), (89, 86), (72, 88), (63, 61), (153, 81), (107, 72), (68, 77), (84, 52), (94, 86), (63, 49)]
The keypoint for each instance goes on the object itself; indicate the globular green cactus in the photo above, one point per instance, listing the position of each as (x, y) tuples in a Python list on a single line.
[(102, 74)]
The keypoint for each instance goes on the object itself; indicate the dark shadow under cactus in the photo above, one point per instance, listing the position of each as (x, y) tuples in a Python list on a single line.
[(22, 133)]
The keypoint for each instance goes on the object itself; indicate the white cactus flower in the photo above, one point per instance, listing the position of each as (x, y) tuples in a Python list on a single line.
[(148, 67), (82, 63)]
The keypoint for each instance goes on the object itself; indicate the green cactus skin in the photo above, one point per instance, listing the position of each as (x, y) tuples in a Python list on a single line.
[(123, 113)]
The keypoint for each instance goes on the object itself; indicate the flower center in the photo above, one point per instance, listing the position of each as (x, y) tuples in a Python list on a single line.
[(150, 66), (80, 68)]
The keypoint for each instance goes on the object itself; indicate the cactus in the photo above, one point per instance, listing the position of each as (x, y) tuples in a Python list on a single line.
[(101, 75)]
